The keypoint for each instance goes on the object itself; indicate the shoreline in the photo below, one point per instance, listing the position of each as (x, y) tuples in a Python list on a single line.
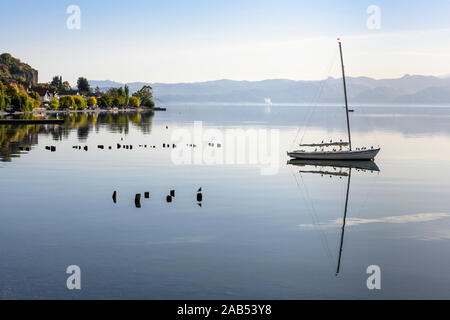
[(98, 110)]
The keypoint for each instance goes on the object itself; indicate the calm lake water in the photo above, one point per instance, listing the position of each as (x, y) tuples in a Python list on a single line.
[(254, 236)]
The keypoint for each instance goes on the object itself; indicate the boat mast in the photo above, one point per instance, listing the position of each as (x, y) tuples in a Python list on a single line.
[(343, 222), (345, 95)]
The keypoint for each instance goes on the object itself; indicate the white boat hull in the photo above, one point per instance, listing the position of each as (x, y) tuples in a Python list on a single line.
[(368, 154)]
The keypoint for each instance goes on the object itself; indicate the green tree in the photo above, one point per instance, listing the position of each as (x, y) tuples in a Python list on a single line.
[(127, 95), (80, 102), (121, 92), (83, 85), (19, 99), (66, 86), (118, 101), (12, 90), (91, 102), (67, 102), (105, 101), (36, 102), (115, 92), (145, 96), (134, 102), (35, 95), (2, 97), (22, 101), (56, 82), (54, 103)]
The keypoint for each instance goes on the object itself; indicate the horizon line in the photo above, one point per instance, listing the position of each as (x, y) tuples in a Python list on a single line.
[(443, 76)]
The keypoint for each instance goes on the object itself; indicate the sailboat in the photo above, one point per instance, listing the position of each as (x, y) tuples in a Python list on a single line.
[(337, 152), (337, 168)]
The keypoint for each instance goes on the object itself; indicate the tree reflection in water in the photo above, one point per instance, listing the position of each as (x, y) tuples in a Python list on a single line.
[(16, 139)]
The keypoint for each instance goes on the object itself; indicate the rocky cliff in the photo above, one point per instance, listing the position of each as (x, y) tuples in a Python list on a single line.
[(12, 68)]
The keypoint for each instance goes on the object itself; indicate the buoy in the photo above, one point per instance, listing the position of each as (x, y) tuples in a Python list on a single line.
[(114, 196), (137, 200)]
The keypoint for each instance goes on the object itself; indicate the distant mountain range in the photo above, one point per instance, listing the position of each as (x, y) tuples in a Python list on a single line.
[(409, 89)]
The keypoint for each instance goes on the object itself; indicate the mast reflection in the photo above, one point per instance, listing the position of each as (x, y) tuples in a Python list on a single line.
[(341, 169)]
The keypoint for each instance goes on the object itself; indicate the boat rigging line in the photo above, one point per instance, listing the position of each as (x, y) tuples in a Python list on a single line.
[(322, 236), (314, 103)]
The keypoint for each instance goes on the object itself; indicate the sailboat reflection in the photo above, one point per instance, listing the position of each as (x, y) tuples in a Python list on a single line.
[(337, 168)]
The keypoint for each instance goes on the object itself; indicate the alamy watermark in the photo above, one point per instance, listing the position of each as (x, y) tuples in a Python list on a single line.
[(374, 280), (233, 146), (74, 280), (374, 20), (73, 22)]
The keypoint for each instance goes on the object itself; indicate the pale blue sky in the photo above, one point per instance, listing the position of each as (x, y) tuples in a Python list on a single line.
[(184, 41)]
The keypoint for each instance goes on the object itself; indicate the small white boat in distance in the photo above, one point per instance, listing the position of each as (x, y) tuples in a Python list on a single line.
[(336, 152)]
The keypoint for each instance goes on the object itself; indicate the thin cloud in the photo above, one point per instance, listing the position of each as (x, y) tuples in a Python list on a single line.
[(410, 218), (431, 236)]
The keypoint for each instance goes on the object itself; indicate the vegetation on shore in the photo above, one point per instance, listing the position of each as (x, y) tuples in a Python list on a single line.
[(15, 97), (19, 91), (119, 97)]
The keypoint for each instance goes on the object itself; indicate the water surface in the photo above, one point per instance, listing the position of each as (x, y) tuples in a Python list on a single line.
[(253, 237)]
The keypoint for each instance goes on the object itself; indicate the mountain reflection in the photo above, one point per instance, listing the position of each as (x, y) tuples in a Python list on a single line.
[(16, 139)]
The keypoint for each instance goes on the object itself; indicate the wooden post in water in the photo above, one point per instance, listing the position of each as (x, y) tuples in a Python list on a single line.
[(137, 200)]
